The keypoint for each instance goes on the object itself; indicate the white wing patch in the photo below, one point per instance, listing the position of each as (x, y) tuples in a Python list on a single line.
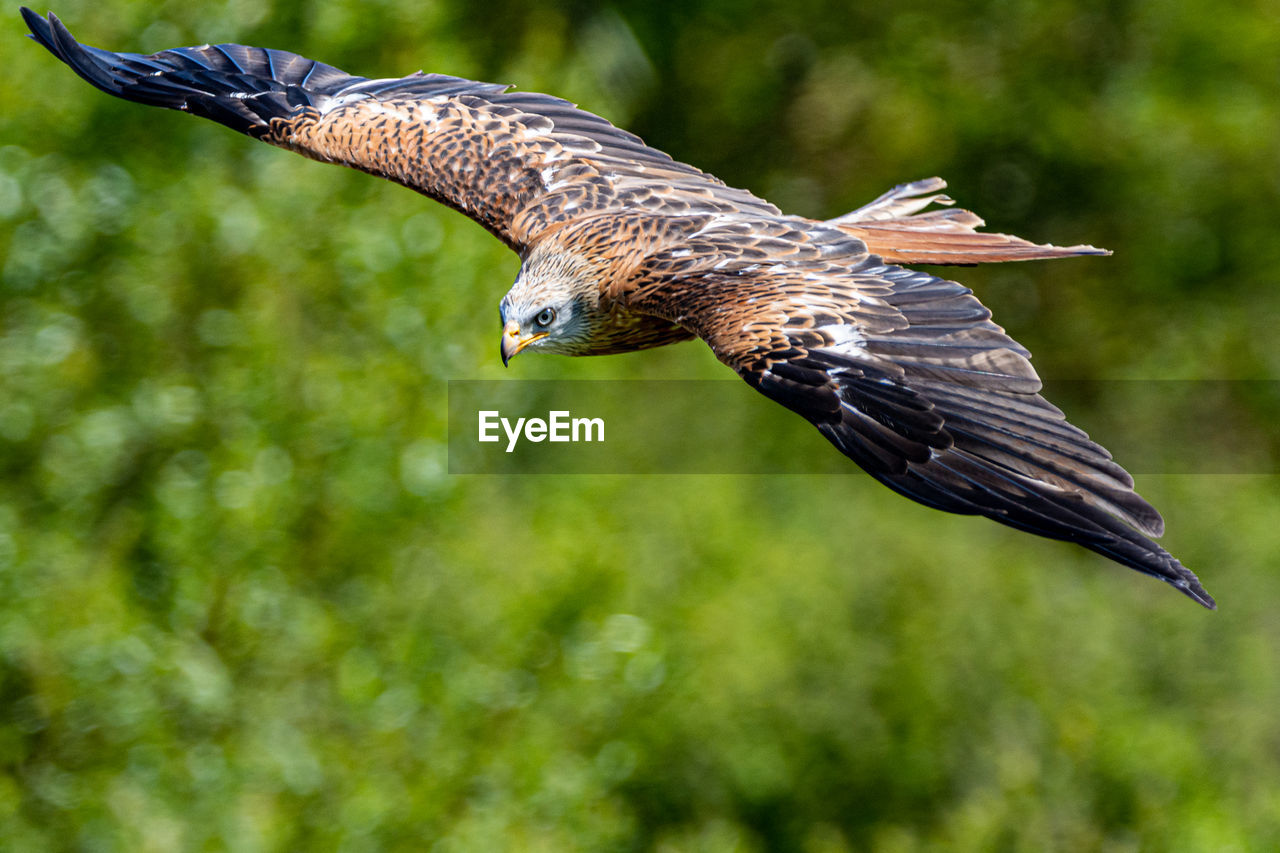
[(844, 337)]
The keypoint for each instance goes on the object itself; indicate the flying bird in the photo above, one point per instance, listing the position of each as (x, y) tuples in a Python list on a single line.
[(624, 248)]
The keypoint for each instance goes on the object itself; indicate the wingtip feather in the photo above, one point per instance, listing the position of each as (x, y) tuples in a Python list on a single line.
[(1199, 596), (1189, 585), (38, 24)]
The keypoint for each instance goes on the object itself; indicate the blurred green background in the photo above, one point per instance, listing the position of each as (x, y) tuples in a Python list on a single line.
[(243, 606)]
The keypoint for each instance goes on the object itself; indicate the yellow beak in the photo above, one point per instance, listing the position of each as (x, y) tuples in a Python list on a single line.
[(512, 342)]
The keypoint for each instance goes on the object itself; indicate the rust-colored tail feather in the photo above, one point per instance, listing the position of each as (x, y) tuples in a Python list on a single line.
[(893, 227)]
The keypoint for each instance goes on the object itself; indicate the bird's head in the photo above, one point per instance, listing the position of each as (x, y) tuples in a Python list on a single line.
[(551, 307)]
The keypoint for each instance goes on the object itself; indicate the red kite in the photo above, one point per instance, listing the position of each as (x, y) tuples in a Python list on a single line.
[(624, 248)]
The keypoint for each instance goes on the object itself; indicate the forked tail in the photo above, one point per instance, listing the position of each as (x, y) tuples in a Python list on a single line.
[(893, 227)]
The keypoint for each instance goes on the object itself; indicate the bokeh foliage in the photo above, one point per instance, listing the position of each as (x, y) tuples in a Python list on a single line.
[(244, 606)]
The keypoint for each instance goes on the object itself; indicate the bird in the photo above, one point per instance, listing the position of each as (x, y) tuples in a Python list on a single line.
[(624, 248)]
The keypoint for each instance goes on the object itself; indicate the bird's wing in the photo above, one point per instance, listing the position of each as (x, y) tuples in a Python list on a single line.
[(519, 163), (907, 375)]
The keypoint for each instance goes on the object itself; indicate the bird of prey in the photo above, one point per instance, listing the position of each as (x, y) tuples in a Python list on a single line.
[(624, 248)]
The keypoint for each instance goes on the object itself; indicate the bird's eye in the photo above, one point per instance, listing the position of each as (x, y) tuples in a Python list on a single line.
[(545, 317)]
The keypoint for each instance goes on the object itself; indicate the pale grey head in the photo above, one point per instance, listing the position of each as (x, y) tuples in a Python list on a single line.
[(554, 306)]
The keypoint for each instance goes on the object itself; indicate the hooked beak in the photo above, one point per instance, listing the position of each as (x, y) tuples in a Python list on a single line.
[(512, 342)]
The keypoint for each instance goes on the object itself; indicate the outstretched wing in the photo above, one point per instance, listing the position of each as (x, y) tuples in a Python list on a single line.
[(907, 375), (519, 163)]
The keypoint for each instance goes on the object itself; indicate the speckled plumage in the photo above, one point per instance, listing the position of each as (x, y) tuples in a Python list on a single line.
[(625, 248)]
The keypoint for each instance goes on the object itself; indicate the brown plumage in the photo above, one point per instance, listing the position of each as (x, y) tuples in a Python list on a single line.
[(624, 248)]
